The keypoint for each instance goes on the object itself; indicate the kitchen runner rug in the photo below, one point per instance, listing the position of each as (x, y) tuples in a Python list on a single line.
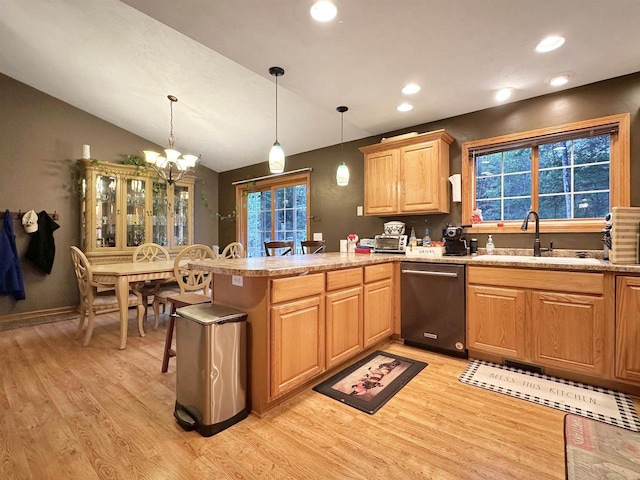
[(370, 383), (595, 451), (585, 400)]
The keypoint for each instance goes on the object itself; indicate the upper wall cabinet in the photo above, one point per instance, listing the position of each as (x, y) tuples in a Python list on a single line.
[(124, 206), (407, 175)]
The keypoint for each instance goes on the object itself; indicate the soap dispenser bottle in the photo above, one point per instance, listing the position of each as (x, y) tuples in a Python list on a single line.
[(490, 246)]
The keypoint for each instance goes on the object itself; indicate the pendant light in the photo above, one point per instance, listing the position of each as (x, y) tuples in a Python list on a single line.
[(276, 155), (342, 175)]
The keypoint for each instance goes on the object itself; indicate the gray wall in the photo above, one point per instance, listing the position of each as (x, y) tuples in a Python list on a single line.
[(335, 207), (40, 138)]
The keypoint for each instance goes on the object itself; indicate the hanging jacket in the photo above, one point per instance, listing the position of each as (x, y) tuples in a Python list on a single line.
[(10, 274), (42, 248)]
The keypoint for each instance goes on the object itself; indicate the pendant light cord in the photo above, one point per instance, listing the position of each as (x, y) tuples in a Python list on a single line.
[(276, 108), (342, 136)]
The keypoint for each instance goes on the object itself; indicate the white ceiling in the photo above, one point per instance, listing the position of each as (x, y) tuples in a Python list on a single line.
[(118, 60)]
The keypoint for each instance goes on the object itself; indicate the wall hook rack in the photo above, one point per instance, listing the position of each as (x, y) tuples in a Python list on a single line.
[(18, 215)]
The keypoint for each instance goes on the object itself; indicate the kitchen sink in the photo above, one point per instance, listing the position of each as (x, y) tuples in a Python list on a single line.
[(532, 259)]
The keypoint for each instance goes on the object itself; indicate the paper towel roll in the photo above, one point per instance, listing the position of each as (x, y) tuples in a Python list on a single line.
[(455, 187)]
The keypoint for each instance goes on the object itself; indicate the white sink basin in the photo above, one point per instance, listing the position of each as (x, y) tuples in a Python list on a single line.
[(531, 259)]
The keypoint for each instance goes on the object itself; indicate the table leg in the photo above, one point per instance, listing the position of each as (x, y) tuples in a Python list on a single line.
[(122, 293)]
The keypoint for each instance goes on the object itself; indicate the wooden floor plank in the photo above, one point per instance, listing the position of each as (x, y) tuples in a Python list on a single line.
[(68, 411)]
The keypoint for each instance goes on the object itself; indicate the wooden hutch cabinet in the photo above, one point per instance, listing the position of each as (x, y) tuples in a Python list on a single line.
[(124, 206), (407, 174)]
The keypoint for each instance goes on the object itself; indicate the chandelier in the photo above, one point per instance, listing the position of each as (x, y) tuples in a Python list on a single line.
[(173, 166)]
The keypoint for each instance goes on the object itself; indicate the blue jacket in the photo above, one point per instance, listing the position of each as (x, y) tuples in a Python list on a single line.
[(10, 273)]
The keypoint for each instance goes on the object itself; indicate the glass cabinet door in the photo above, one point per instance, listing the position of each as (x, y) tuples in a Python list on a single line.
[(180, 216), (160, 203), (136, 211), (105, 196)]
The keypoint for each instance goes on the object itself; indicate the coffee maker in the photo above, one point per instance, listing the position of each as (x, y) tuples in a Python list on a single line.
[(454, 241)]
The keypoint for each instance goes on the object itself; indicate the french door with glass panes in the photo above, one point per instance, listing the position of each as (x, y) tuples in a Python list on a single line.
[(273, 210)]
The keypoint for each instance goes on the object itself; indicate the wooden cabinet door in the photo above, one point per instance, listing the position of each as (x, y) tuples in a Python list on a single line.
[(568, 331), (343, 325), (381, 182), (423, 179), (378, 311), (297, 343), (496, 320), (628, 328)]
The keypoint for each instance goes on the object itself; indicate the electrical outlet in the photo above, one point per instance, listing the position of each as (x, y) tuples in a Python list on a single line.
[(317, 236), (359, 211), (236, 280)]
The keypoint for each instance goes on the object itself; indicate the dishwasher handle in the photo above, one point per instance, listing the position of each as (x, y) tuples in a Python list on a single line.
[(431, 273)]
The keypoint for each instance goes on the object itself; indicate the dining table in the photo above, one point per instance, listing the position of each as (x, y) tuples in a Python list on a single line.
[(122, 276)]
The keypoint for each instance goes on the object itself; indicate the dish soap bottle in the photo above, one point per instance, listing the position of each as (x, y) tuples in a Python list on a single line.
[(412, 238), (490, 246), (426, 241)]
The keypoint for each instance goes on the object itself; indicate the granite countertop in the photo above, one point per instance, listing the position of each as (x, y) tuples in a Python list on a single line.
[(301, 264), (291, 264)]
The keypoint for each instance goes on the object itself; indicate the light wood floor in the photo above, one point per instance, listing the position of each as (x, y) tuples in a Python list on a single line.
[(68, 412)]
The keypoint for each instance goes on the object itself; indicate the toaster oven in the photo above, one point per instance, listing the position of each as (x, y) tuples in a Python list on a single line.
[(390, 244)]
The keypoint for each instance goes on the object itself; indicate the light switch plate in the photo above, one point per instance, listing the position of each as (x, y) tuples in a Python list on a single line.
[(236, 280), (359, 211), (317, 236)]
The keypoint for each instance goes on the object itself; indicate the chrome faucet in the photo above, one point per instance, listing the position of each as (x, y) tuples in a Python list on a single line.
[(537, 251)]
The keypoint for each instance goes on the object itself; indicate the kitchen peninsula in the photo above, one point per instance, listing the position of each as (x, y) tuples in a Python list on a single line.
[(309, 314)]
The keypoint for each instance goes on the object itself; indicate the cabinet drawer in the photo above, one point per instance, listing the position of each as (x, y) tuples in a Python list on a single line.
[(283, 289), (378, 272), (338, 279)]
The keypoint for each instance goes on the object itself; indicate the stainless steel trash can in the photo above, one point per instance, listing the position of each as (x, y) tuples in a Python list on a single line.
[(211, 368)]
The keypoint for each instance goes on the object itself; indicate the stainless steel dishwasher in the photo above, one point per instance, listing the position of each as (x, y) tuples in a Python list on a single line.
[(434, 307)]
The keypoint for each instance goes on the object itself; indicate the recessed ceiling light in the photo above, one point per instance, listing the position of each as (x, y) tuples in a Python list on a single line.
[(550, 43), (405, 107), (503, 94), (323, 11), (410, 89), (559, 80)]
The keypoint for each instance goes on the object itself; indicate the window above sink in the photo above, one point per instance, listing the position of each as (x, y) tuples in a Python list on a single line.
[(571, 174)]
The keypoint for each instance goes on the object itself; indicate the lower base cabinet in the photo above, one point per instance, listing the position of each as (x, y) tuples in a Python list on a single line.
[(344, 325), (297, 343), (568, 332), (321, 320), (550, 318), (495, 320), (628, 328), (378, 311)]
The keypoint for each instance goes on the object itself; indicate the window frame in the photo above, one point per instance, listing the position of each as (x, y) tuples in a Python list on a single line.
[(272, 183), (619, 174)]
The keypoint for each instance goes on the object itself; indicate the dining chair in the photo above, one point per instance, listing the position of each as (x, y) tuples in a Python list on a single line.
[(312, 246), (160, 290), (233, 250), (92, 302), (271, 248), (195, 288)]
